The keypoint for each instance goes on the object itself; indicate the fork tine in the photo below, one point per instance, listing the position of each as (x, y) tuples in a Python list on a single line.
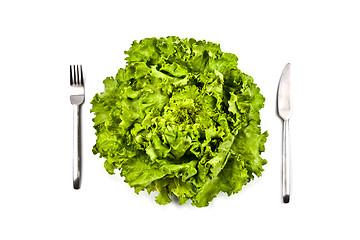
[(71, 77), (74, 75), (81, 76), (77, 75)]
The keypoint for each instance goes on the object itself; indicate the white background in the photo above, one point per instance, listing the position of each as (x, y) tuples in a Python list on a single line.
[(40, 39)]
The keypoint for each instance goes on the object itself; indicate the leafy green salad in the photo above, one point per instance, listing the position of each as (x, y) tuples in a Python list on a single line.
[(180, 119)]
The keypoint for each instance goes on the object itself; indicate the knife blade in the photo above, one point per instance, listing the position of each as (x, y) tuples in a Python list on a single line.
[(285, 112)]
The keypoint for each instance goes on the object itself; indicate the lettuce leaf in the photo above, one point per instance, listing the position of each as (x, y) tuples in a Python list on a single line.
[(180, 119)]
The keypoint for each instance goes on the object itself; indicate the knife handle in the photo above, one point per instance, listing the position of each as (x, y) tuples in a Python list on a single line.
[(286, 163)]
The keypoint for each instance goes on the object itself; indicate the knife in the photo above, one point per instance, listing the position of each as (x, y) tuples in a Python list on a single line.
[(284, 111)]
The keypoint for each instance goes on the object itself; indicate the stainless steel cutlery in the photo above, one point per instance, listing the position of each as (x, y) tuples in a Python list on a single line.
[(284, 111), (77, 97)]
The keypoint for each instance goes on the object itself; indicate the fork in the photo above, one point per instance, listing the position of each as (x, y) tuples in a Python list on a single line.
[(77, 97)]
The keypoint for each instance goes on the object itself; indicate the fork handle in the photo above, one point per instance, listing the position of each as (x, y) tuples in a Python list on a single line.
[(286, 163), (76, 152)]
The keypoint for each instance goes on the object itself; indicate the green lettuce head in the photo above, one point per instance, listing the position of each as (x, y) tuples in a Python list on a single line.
[(180, 119)]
